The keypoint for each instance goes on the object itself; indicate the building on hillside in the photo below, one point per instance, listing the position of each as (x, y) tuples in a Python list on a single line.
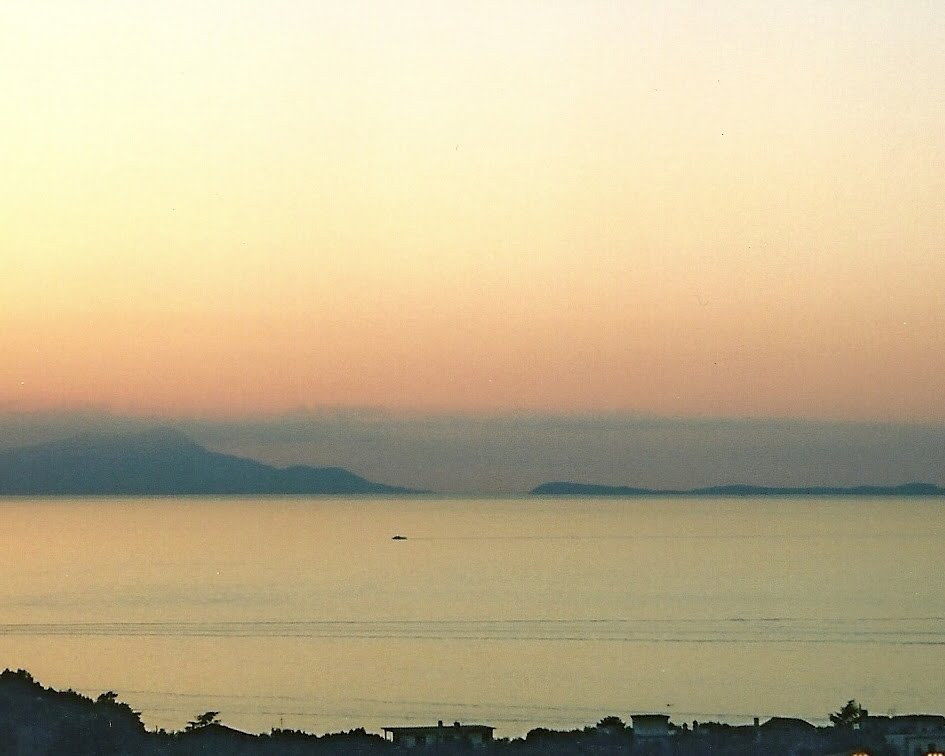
[(650, 725), (910, 734), (789, 736), (651, 734), (441, 735)]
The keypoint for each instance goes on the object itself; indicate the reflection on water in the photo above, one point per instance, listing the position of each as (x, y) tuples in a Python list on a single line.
[(516, 612)]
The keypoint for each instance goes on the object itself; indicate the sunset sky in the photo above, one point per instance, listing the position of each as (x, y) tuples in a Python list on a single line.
[(705, 209)]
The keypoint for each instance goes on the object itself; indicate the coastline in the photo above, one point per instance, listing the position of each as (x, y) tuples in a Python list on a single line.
[(37, 720)]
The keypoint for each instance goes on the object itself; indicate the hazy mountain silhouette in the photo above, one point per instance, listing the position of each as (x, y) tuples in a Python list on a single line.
[(162, 462), (566, 488)]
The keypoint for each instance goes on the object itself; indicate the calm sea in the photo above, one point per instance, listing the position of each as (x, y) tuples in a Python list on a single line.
[(303, 613)]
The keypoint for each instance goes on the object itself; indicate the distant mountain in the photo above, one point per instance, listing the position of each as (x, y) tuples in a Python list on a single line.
[(162, 462), (590, 489)]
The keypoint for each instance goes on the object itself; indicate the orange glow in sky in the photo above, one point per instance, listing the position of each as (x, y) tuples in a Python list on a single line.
[(682, 209)]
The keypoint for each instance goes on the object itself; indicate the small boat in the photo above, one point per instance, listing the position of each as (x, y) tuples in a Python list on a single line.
[(399, 538)]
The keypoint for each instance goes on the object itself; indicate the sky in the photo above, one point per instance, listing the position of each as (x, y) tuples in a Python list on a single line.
[(691, 210)]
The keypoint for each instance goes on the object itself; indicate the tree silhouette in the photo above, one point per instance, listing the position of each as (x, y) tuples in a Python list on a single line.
[(849, 716), (203, 720), (615, 722)]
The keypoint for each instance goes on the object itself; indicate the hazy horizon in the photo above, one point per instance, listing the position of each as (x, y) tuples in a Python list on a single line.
[(468, 454)]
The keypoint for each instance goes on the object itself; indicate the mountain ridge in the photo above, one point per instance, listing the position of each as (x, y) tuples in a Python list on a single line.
[(162, 461)]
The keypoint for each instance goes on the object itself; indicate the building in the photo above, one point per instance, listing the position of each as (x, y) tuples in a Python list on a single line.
[(457, 734), (910, 734), (651, 734), (650, 725), (789, 736)]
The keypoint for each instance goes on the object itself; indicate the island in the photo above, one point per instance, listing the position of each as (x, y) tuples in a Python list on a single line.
[(163, 462), (568, 488)]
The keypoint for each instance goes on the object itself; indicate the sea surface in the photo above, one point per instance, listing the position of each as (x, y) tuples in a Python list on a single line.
[(303, 612)]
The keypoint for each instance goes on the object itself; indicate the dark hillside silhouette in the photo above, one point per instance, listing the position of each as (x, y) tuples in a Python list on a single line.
[(162, 462), (39, 721)]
